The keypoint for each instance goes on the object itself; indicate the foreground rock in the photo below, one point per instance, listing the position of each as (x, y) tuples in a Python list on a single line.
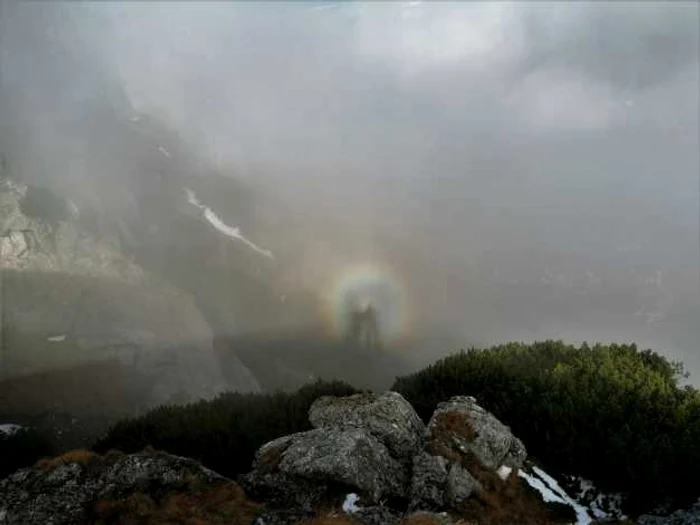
[(82, 488), (376, 446), (460, 425), (303, 469), (387, 416)]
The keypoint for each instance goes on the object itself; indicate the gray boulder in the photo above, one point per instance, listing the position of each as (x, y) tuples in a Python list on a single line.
[(386, 416), (301, 468), (65, 493), (459, 486), (428, 482), (462, 426)]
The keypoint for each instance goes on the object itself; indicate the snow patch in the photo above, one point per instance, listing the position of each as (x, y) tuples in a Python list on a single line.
[(164, 151), (504, 471), (214, 220), (602, 505), (57, 338), (9, 428), (350, 503), (553, 493)]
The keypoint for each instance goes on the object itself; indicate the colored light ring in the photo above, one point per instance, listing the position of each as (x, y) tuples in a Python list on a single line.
[(358, 285)]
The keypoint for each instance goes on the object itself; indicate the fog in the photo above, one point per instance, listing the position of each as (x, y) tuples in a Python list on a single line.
[(527, 171)]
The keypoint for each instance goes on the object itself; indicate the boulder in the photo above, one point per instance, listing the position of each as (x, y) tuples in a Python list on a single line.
[(67, 490), (386, 416), (461, 426), (459, 486), (428, 482), (303, 468), (360, 445)]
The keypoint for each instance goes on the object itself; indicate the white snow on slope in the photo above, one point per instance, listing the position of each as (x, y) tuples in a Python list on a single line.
[(56, 338), (602, 505), (350, 503), (9, 428), (503, 472), (214, 220), (552, 492)]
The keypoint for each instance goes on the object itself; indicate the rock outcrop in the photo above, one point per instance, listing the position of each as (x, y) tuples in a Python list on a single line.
[(388, 417), (71, 296), (377, 465), (375, 445), (82, 488), (460, 425)]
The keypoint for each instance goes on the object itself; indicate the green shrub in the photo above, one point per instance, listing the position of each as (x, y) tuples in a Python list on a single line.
[(223, 433), (610, 413), (22, 449)]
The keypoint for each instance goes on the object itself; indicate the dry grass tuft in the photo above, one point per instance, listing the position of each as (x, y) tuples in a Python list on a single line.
[(223, 504), (448, 424), (81, 456)]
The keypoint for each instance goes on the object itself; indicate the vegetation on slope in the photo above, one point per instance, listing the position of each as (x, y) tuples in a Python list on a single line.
[(613, 413), (224, 433)]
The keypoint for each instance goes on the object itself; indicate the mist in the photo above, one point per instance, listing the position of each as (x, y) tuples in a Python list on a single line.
[(528, 171)]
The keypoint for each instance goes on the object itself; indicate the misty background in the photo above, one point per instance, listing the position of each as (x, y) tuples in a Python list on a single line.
[(528, 170)]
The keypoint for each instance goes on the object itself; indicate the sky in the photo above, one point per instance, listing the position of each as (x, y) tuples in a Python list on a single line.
[(529, 169)]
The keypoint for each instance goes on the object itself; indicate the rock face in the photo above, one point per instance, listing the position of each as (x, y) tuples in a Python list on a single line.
[(70, 297), (66, 491), (376, 446), (462, 426), (387, 416), (330, 457)]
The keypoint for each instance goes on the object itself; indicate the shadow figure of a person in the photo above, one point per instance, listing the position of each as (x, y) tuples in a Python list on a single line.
[(363, 327)]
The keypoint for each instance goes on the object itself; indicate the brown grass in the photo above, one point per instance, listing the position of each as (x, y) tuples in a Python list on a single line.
[(81, 456), (499, 502), (222, 504), (448, 424)]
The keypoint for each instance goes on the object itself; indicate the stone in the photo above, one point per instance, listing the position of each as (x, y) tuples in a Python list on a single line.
[(462, 426), (428, 482), (64, 493), (459, 486), (317, 459), (386, 416)]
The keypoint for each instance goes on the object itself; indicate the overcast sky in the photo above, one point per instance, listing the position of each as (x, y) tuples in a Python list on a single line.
[(532, 168)]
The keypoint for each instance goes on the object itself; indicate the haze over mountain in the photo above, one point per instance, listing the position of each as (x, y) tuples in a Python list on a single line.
[(512, 171)]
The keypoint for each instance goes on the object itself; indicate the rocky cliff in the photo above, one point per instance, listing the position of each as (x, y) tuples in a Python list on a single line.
[(71, 295)]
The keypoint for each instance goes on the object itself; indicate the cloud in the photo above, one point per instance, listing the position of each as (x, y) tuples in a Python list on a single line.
[(473, 145)]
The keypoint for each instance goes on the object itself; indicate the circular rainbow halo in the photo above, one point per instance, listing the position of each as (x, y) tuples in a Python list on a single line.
[(360, 285)]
